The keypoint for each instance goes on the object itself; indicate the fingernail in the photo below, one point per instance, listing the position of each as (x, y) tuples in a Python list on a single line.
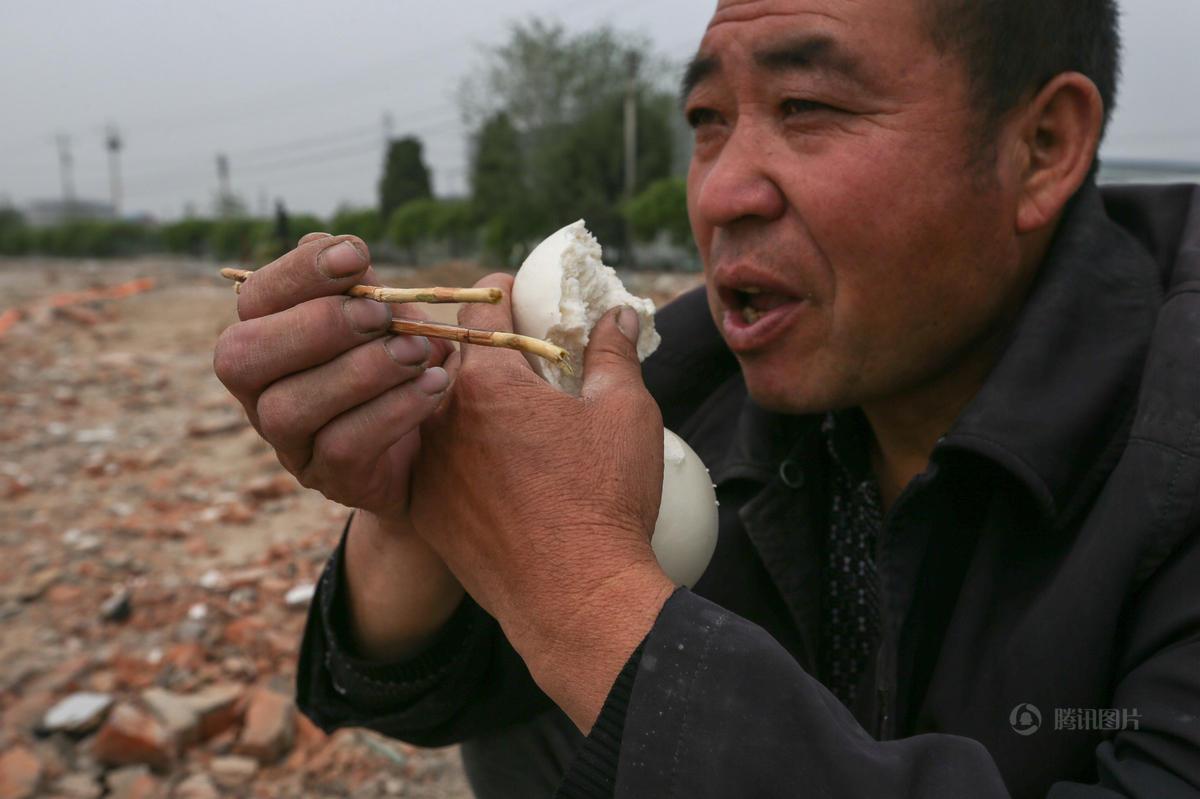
[(408, 350), (629, 323), (433, 381), (341, 260), (367, 316)]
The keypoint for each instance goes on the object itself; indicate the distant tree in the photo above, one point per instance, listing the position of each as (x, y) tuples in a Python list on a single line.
[(585, 167), (562, 99), (661, 208), (190, 236), (239, 239), (405, 176), (362, 222), (14, 235), (410, 225), (454, 223), (499, 193)]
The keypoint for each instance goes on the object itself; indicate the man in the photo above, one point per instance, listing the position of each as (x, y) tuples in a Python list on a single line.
[(950, 404)]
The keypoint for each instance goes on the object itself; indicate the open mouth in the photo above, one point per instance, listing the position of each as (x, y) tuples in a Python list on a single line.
[(755, 316), (749, 304), (754, 303)]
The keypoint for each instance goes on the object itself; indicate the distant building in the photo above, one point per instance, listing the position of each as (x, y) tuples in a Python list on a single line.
[(1131, 170), (47, 213)]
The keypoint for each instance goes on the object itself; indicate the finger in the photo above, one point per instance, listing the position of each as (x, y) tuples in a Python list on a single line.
[(610, 362), (440, 348), (292, 410), (484, 316), (488, 316), (318, 268), (453, 364), (312, 237), (359, 437), (252, 355)]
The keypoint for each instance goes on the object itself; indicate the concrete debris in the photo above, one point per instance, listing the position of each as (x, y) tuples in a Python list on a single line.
[(233, 771), (157, 557), (78, 713), (197, 786), (78, 786), (118, 607), (177, 715), (300, 596)]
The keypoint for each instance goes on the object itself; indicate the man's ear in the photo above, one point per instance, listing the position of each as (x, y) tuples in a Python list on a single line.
[(1061, 135)]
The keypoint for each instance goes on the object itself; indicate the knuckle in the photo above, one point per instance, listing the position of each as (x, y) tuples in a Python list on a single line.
[(335, 454), (362, 376), (278, 417), (326, 316), (306, 477), (311, 237), (229, 357)]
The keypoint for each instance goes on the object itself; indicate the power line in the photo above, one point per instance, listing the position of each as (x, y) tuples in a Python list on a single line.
[(196, 117)]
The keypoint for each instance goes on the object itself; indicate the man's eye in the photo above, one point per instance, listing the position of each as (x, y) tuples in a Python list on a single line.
[(803, 107), (698, 117)]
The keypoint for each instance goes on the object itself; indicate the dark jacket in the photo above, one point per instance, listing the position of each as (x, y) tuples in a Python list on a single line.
[(1040, 581)]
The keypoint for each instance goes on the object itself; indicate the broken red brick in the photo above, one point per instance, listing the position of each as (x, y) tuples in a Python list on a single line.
[(20, 773), (270, 726), (131, 736)]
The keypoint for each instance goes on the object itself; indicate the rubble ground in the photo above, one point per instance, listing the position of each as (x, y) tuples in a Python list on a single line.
[(157, 560)]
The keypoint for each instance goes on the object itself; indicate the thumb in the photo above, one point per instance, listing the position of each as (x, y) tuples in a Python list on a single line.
[(610, 361)]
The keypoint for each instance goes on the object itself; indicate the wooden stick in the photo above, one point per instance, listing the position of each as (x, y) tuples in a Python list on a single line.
[(486, 338), (385, 294), (411, 327)]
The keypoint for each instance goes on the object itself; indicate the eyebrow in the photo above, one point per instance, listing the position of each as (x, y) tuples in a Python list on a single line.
[(815, 52), (699, 69)]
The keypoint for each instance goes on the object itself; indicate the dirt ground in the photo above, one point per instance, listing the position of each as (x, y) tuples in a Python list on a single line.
[(156, 560)]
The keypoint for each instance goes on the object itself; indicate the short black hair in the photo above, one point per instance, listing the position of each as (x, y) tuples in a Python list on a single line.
[(1012, 48)]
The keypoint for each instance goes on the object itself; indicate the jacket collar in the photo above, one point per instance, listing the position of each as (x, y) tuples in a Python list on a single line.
[(1053, 412)]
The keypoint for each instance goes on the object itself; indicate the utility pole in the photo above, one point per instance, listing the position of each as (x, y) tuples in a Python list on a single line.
[(633, 61), (389, 128), (65, 167), (224, 189), (113, 143)]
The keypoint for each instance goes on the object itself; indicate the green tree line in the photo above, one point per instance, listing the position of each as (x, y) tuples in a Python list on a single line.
[(546, 115)]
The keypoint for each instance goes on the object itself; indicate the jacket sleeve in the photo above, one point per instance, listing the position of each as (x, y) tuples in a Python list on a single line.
[(469, 681), (718, 708)]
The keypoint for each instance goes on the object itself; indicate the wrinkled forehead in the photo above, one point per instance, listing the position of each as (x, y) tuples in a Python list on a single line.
[(847, 14), (871, 43)]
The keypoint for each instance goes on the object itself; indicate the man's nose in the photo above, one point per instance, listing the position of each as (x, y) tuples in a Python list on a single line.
[(738, 183)]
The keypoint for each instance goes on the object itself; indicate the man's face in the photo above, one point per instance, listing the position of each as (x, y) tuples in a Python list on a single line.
[(855, 250)]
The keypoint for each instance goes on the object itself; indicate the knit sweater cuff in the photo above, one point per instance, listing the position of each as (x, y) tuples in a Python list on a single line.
[(593, 772)]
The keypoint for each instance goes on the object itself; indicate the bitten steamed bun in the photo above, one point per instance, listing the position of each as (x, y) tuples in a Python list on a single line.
[(560, 292)]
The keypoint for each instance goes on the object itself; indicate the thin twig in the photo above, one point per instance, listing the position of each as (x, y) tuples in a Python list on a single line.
[(385, 294), (486, 338), (410, 327)]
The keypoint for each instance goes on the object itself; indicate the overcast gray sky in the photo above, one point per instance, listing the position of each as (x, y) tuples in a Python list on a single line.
[(295, 92)]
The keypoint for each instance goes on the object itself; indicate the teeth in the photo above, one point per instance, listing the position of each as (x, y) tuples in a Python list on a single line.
[(751, 290), (751, 315)]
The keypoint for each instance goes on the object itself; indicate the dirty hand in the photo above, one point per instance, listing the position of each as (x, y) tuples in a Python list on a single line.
[(322, 380), (543, 504)]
